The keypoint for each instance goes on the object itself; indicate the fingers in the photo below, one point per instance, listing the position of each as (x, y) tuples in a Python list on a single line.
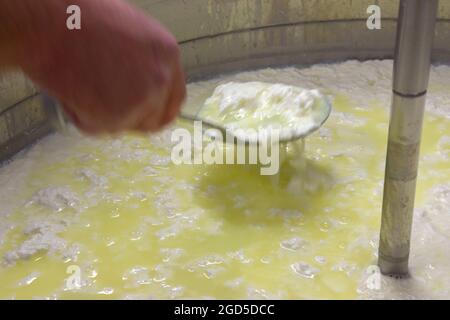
[(176, 94), (151, 116), (161, 106), (80, 123)]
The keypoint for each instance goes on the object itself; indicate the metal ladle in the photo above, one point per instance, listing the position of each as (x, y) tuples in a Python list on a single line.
[(295, 134), (54, 109)]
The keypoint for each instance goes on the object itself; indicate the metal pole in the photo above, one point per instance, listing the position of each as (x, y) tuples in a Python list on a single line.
[(415, 33)]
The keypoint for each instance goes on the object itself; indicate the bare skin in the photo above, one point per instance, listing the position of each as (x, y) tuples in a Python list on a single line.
[(120, 72)]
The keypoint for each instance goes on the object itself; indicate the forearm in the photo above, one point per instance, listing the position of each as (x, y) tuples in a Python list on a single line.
[(23, 22)]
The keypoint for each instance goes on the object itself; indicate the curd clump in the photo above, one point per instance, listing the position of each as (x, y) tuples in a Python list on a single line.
[(264, 106)]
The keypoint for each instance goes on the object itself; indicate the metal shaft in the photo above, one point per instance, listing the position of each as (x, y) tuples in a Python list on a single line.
[(415, 33)]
